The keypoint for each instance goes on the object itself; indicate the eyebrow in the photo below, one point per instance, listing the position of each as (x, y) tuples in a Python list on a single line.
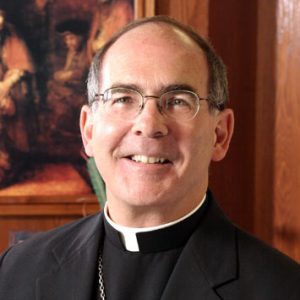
[(177, 87), (164, 89)]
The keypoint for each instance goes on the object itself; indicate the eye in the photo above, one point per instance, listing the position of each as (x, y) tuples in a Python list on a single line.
[(177, 102), (122, 100)]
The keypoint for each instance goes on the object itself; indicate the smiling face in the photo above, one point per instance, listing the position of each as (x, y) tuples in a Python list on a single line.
[(155, 168)]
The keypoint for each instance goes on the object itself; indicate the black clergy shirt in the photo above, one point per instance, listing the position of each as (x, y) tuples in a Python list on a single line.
[(144, 275)]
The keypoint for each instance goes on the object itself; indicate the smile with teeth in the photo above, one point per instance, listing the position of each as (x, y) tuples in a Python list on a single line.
[(148, 159)]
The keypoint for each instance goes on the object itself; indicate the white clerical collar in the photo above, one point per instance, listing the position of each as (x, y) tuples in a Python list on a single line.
[(128, 234)]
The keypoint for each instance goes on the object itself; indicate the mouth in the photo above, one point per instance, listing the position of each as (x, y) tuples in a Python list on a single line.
[(148, 159)]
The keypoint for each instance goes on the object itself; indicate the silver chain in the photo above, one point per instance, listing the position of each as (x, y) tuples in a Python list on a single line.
[(101, 280)]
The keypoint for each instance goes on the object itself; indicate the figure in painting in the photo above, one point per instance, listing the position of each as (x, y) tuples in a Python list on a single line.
[(66, 90), (16, 101), (108, 19)]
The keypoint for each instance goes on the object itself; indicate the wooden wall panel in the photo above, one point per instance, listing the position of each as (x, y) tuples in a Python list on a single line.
[(11, 225), (265, 120), (277, 176), (191, 12), (232, 31), (35, 214), (287, 130)]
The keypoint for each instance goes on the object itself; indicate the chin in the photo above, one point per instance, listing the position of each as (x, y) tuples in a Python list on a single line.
[(149, 199), (147, 193)]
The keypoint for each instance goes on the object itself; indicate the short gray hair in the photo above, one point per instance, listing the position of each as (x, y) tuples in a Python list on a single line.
[(217, 86)]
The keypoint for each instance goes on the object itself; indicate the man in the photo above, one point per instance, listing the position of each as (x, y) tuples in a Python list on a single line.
[(16, 101), (109, 17), (66, 89), (156, 119)]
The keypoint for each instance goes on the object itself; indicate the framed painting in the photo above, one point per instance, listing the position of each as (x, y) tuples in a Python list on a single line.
[(45, 50)]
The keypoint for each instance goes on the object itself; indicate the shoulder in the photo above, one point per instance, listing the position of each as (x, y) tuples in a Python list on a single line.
[(25, 261), (264, 270), (254, 253), (72, 232), (258, 271), (250, 250)]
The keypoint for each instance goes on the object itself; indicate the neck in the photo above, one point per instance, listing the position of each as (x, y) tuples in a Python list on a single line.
[(150, 217), (132, 238), (150, 228)]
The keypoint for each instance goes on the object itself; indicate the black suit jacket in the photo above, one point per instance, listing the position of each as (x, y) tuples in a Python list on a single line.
[(219, 262)]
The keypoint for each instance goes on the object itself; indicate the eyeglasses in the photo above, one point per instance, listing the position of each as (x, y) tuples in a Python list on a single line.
[(125, 103)]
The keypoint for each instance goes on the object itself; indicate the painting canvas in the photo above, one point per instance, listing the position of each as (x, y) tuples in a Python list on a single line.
[(45, 49)]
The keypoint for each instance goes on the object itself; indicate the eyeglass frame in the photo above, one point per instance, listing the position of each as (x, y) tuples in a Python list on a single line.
[(143, 97)]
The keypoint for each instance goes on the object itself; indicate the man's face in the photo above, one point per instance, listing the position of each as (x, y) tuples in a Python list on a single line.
[(151, 59), (72, 41)]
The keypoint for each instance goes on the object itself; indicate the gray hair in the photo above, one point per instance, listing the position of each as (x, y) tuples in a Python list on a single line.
[(217, 85)]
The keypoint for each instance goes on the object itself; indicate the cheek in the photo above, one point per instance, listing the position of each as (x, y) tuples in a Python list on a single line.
[(198, 145), (107, 135), (103, 144)]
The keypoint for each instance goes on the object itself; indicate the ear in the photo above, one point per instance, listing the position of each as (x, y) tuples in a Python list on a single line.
[(223, 134), (86, 128)]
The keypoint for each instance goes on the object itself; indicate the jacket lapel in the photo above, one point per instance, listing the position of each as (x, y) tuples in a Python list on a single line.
[(188, 282), (74, 274), (208, 261)]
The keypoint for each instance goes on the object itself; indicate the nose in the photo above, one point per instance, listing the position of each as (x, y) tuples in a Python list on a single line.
[(150, 122)]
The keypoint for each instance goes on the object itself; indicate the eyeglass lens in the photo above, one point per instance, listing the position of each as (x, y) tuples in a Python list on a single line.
[(126, 103)]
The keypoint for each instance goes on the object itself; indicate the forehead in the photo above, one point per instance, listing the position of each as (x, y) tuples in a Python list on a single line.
[(155, 51), (70, 35)]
